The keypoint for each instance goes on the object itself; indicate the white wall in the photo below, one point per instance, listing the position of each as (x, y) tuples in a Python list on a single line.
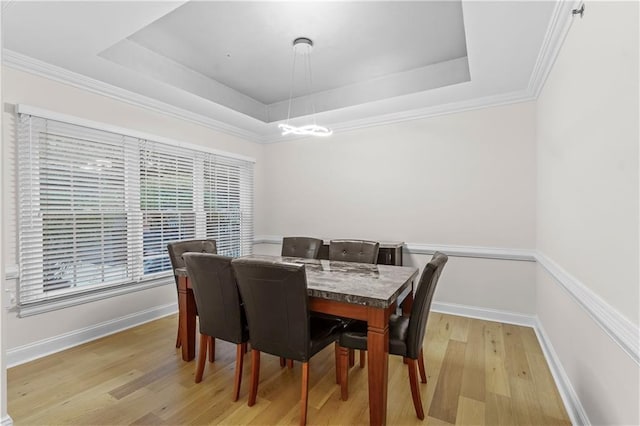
[(588, 202), (25, 88), (4, 419), (465, 179), (461, 179)]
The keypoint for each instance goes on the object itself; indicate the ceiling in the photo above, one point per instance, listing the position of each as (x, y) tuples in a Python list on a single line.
[(231, 62)]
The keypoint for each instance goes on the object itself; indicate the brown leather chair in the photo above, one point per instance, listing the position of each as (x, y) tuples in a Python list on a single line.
[(305, 247), (406, 334), (301, 247), (360, 251), (219, 309), (277, 306), (177, 249)]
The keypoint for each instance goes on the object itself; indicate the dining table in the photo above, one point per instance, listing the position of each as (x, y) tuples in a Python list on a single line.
[(353, 290)]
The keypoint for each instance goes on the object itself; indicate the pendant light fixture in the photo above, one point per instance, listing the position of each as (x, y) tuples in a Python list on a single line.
[(302, 47)]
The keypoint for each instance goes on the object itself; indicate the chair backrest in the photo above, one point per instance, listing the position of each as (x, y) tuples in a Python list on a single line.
[(177, 249), (217, 297), (422, 303), (354, 251), (276, 302), (301, 247)]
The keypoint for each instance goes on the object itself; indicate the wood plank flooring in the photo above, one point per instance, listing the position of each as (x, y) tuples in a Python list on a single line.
[(479, 373)]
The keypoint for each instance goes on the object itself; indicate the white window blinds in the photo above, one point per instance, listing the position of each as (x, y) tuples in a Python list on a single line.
[(166, 202), (97, 208)]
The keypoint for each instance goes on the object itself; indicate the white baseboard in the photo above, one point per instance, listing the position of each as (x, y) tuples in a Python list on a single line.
[(31, 351), (575, 410), (484, 313), (6, 421)]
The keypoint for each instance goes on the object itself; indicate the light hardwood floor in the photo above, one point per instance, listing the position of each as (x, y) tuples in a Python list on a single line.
[(479, 372)]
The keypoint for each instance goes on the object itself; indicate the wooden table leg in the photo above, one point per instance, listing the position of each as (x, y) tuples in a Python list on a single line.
[(378, 353), (187, 313)]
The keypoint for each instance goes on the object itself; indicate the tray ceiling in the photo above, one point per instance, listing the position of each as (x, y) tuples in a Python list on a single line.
[(231, 61)]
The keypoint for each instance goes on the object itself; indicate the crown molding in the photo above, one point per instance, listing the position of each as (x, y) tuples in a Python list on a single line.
[(617, 326), (418, 113), (557, 31), (43, 69), (34, 66), (436, 110)]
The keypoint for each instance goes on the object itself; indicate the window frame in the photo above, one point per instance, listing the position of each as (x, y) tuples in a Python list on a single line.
[(136, 280)]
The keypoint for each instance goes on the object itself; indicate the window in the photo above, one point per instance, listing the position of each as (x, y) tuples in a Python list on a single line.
[(98, 207), (166, 202)]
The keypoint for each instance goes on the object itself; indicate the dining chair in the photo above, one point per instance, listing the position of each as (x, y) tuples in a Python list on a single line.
[(277, 306), (177, 249), (305, 247), (301, 247), (361, 251), (220, 310), (406, 334)]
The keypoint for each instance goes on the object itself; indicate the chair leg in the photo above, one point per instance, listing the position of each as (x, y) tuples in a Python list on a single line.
[(352, 358), (336, 350), (423, 373), (202, 355), (344, 373), (363, 357), (415, 390), (240, 350), (290, 363), (283, 362), (304, 397), (178, 342), (212, 348), (255, 376)]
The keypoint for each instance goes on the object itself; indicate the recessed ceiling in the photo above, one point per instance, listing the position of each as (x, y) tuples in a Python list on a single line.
[(229, 42), (231, 61)]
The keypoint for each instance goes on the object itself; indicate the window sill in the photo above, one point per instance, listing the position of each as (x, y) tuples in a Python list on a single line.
[(79, 299)]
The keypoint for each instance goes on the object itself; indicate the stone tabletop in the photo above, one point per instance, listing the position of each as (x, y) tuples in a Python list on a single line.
[(357, 283)]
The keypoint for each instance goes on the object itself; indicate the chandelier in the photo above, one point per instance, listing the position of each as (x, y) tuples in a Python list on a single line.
[(302, 46)]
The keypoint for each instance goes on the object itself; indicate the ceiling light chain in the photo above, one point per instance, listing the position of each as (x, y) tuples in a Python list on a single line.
[(310, 129)]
